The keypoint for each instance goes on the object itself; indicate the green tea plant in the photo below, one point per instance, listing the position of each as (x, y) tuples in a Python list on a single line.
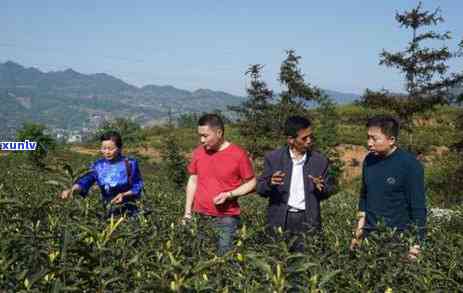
[(49, 245)]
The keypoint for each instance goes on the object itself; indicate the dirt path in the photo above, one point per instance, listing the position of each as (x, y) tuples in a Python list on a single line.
[(83, 150), (352, 156)]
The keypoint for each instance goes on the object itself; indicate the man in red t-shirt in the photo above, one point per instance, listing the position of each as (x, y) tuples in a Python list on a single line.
[(220, 172)]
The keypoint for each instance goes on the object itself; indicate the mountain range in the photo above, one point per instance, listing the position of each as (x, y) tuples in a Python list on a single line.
[(70, 100)]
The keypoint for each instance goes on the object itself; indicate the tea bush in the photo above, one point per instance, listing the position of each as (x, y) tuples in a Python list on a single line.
[(47, 245), (444, 181)]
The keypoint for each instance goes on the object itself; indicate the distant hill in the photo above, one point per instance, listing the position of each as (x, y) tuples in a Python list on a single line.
[(72, 100), (342, 98), (69, 100)]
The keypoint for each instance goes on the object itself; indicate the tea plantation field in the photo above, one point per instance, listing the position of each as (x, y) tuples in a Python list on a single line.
[(47, 245)]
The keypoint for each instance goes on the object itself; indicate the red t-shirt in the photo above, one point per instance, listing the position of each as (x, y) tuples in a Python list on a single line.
[(218, 172)]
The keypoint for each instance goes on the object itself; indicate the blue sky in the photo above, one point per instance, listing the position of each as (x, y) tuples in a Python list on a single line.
[(209, 44)]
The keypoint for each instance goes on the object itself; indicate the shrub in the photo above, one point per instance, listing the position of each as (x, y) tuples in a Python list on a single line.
[(444, 180), (45, 143)]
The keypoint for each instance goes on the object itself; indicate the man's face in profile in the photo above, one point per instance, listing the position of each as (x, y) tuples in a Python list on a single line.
[(379, 143), (302, 143), (210, 137)]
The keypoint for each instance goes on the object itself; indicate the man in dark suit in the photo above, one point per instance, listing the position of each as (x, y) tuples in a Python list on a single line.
[(295, 179)]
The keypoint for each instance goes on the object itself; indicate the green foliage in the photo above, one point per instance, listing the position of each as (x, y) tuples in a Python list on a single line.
[(254, 115), (129, 130), (327, 133), (399, 105), (36, 133), (459, 126), (298, 94), (66, 175), (425, 69), (327, 119), (188, 120), (444, 180), (423, 139), (261, 120), (49, 245), (173, 164)]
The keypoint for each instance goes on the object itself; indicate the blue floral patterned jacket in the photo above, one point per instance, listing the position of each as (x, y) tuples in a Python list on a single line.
[(112, 179)]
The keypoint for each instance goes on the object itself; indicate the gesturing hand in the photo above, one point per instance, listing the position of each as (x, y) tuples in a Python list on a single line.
[(318, 181), (278, 178)]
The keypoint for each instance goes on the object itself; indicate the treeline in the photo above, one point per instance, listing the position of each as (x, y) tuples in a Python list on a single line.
[(258, 121)]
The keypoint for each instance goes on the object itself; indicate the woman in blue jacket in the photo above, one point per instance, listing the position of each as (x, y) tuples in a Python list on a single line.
[(117, 176)]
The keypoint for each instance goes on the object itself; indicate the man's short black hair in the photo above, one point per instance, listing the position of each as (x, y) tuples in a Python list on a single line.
[(388, 125), (294, 124), (211, 120), (112, 135)]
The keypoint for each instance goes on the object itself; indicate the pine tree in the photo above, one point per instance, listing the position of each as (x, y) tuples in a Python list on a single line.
[(426, 78), (173, 162), (298, 93), (254, 115)]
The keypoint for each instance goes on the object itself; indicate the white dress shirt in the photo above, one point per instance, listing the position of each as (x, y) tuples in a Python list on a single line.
[(296, 191)]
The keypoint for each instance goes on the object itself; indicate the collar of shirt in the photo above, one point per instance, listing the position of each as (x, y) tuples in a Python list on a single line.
[(115, 160), (297, 162)]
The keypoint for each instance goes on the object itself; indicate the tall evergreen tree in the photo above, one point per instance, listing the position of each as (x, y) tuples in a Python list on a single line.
[(427, 80), (173, 163), (254, 115), (298, 93)]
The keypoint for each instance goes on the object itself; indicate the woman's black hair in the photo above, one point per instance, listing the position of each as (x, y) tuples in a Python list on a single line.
[(114, 136)]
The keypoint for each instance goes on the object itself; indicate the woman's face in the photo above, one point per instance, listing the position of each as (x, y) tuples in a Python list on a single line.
[(109, 150)]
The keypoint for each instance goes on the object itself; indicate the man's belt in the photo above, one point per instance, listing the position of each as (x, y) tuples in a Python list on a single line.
[(295, 210)]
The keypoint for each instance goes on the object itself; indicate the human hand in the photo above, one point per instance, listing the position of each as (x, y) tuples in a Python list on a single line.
[(118, 198), (357, 240), (277, 178), (318, 181), (414, 252), (66, 194), (221, 198), (355, 244), (186, 218)]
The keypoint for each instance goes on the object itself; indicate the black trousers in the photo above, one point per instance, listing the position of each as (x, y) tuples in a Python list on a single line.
[(295, 222), (297, 229)]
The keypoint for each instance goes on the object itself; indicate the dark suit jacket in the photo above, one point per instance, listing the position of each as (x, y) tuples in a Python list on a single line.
[(315, 165)]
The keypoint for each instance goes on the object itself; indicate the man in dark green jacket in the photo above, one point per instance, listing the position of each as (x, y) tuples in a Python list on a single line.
[(392, 185)]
